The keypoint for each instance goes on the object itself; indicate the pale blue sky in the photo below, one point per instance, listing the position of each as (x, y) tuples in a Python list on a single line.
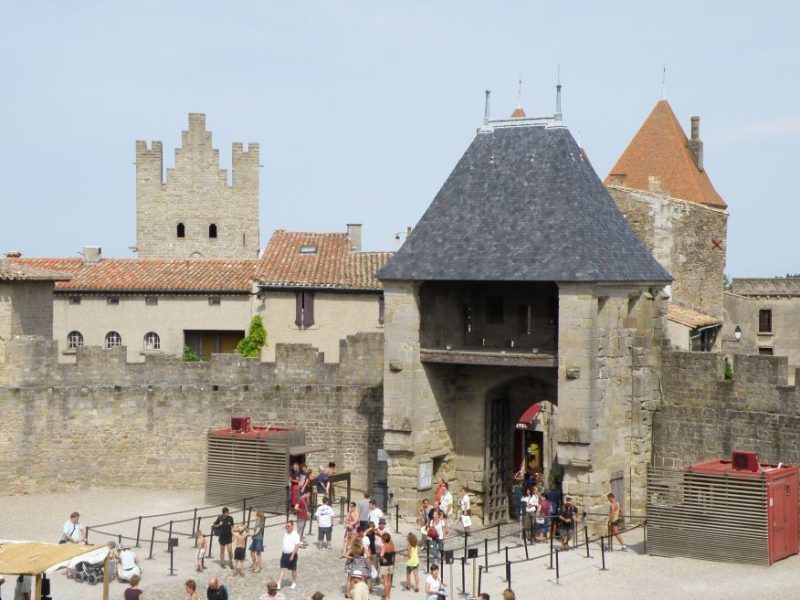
[(363, 108)]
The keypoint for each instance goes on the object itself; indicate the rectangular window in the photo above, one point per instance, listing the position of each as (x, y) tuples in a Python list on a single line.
[(467, 315), (74, 299), (113, 300), (214, 300), (494, 310), (525, 319), (381, 310), (765, 351), (304, 309), (765, 320), (151, 300), (425, 475)]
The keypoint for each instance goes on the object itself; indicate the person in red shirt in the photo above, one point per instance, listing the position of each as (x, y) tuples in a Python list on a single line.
[(301, 514)]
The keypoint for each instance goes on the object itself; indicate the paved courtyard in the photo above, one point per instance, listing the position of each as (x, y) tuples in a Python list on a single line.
[(628, 575)]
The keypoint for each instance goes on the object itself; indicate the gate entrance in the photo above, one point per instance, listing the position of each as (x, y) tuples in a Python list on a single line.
[(498, 468)]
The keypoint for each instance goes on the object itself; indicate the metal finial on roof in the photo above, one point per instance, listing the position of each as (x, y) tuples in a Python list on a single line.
[(558, 116), (664, 82), (519, 94), (486, 112)]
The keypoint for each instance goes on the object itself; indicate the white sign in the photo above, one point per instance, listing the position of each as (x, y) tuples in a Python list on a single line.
[(425, 475)]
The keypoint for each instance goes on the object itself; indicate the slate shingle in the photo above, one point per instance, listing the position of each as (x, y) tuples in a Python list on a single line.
[(523, 204)]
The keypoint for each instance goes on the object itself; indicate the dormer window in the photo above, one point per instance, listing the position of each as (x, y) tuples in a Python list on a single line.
[(212, 231), (308, 249)]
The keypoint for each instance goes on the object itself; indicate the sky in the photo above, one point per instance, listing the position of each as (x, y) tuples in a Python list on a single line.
[(363, 108)]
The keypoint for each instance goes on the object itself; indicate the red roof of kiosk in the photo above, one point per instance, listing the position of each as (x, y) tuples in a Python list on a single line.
[(241, 428), (743, 464)]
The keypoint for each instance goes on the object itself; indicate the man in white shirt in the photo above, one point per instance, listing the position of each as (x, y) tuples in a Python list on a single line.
[(73, 531), (324, 515), (531, 503), (289, 548), (375, 513), (464, 505), (128, 565), (446, 502)]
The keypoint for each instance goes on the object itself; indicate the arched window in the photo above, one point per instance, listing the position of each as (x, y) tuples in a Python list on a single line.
[(74, 339), (152, 341), (113, 339), (181, 230), (212, 231)]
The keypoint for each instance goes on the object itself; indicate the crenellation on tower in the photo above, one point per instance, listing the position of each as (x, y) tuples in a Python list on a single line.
[(193, 211)]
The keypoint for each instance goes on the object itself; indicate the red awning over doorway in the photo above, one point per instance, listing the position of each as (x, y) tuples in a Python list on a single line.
[(529, 415)]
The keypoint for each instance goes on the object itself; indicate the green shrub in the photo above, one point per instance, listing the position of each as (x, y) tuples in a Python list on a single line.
[(189, 355), (250, 346)]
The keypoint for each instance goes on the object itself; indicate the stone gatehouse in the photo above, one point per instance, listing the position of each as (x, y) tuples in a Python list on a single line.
[(522, 285)]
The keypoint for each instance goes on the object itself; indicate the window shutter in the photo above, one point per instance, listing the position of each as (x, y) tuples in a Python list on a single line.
[(308, 309), (298, 309), (381, 309)]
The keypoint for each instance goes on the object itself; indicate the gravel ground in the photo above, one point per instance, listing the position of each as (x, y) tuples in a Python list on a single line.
[(629, 574)]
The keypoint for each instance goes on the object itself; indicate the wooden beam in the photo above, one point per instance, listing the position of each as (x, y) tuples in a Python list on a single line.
[(503, 359)]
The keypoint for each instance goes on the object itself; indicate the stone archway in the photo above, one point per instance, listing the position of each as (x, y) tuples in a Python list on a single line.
[(505, 403)]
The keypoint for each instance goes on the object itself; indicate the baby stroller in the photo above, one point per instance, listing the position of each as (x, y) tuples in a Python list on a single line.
[(89, 572)]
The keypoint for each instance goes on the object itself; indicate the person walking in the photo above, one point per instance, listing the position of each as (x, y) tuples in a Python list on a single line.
[(257, 544), (191, 589), (289, 549), (566, 521), (531, 503), (615, 521), (433, 584), (350, 526), (465, 506), (363, 511), (386, 560), (201, 550), (272, 592), (301, 515), (216, 591), (133, 592), (324, 516), (412, 561), (439, 529), (224, 529)]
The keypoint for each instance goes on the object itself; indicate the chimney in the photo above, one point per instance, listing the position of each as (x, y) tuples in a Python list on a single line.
[(397, 242), (695, 144), (92, 254), (354, 235), (408, 232)]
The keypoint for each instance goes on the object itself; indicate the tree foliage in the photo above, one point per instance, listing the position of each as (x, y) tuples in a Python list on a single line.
[(189, 355), (251, 345)]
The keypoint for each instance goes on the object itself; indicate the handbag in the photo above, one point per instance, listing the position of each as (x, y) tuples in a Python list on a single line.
[(432, 533), (373, 572)]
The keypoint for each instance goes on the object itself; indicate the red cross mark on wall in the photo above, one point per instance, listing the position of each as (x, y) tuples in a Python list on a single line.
[(717, 244)]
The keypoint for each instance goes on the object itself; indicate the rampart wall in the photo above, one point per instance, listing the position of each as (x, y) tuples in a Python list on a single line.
[(105, 422), (703, 416)]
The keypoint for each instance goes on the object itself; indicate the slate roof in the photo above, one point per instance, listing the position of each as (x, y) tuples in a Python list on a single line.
[(333, 265), (12, 270), (151, 274), (660, 149), (523, 204), (690, 318)]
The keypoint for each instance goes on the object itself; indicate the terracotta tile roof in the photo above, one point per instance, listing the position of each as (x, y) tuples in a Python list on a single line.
[(332, 265), (12, 270), (151, 275), (659, 149), (690, 318)]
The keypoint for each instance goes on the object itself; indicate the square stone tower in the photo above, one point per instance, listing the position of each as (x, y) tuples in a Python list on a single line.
[(194, 212)]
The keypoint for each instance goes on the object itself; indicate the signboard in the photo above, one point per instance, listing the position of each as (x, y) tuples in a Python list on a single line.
[(425, 475)]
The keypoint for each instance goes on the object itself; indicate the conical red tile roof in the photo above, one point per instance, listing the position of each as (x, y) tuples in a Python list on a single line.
[(659, 149)]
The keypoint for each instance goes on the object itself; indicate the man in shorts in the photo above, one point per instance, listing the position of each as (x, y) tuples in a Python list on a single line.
[(289, 548), (239, 550), (224, 528), (324, 516), (614, 521)]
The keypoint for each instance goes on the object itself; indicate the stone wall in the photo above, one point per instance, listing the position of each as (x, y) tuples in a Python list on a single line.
[(703, 416), (196, 193), (25, 309), (687, 239), (102, 419)]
